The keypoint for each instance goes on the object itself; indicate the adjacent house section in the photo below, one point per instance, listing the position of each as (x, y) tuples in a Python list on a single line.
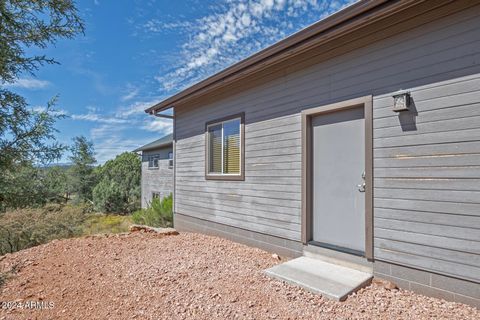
[(157, 169)]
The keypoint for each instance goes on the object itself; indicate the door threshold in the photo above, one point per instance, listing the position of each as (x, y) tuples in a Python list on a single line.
[(333, 247), (337, 257)]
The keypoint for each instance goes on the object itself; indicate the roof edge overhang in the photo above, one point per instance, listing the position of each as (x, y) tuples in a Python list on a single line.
[(167, 144), (338, 24)]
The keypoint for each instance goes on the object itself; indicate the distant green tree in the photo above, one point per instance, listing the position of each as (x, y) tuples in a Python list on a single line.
[(118, 189), (57, 184), (22, 187), (28, 186), (82, 173)]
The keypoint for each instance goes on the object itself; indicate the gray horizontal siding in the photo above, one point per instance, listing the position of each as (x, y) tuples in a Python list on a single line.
[(470, 184), (472, 147), (429, 217), (429, 161), (156, 180), (427, 262), (471, 209), (432, 195), (427, 167), (427, 180)]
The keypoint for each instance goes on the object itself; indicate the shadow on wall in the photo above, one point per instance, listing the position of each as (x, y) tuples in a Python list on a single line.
[(408, 119)]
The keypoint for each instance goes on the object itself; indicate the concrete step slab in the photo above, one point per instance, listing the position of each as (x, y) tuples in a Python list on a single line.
[(330, 280)]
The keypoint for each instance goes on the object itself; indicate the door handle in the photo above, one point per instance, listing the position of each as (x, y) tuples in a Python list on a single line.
[(361, 187)]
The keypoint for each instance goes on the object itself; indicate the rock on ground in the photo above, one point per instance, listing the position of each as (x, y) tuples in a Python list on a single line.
[(189, 276), (161, 231)]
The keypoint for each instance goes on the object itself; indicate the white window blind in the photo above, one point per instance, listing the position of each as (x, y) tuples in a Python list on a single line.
[(224, 154), (231, 147)]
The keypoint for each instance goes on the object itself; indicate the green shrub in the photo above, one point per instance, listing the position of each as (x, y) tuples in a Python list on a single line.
[(118, 190), (100, 223), (108, 197), (158, 214), (24, 228)]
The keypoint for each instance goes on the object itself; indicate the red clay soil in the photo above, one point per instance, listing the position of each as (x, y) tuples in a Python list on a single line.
[(189, 276)]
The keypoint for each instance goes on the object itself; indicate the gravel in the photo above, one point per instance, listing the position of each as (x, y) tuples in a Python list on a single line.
[(188, 276)]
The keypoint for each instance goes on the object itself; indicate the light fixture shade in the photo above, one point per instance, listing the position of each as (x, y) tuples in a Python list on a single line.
[(401, 101)]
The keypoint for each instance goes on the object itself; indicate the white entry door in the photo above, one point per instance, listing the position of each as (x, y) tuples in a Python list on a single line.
[(338, 142)]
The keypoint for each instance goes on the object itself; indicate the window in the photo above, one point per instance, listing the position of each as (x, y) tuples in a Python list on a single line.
[(224, 148), (170, 160), (153, 161), (157, 195)]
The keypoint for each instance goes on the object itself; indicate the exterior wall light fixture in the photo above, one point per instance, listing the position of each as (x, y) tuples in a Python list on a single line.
[(401, 101)]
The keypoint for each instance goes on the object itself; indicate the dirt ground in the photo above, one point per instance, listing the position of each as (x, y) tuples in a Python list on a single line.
[(189, 276)]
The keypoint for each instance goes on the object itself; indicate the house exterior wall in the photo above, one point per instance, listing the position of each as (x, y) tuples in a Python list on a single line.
[(426, 162), (156, 179)]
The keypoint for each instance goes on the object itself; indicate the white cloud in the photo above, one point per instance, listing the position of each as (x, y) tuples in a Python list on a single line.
[(130, 93), (120, 130), (98, 118), (29, 83), (160, 125), (136, 108), (91, 109), (110, 139), (234, 31), (157, 26), (108, 146), (52, 111)]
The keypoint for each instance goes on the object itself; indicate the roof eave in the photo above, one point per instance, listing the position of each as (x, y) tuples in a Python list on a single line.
[(265, 56), (154, 147)]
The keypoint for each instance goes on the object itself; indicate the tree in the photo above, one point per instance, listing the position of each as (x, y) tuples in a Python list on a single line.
[(118, 189), (57, 184), (26, 134), (33, 23), (31, 186), (22, 187), (82, 169)]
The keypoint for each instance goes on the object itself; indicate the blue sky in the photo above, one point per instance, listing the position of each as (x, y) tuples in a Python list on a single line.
[(136, 53)]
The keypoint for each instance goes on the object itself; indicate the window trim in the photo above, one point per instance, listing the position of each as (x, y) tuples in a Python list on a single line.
[(170, 160), (223, 176), (153, 156)]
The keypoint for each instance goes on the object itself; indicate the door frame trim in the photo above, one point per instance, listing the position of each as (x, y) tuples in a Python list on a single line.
[(307, 166)]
